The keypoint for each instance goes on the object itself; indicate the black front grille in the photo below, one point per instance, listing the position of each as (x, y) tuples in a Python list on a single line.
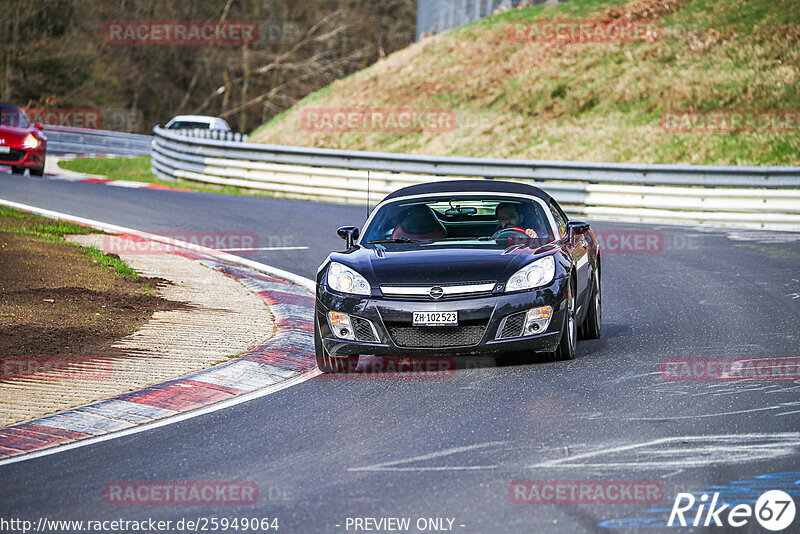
[(362, 329), (436, 336), (513, 326), (15, 155)]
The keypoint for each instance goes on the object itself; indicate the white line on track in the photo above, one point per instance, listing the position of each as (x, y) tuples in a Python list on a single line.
[(251, 249), (297, 279), (392, 465)]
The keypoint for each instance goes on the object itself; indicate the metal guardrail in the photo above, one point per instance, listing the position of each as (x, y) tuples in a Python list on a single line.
[(65, 139), (752, 197)]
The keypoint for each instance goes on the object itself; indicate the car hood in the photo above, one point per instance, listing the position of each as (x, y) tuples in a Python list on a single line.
[(438, 263)]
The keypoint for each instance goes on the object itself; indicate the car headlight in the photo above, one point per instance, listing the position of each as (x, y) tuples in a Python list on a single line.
[(346, 280), (536, 274), (30, 141)]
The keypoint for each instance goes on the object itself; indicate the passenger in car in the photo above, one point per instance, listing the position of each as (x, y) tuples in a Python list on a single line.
[(419, 222)]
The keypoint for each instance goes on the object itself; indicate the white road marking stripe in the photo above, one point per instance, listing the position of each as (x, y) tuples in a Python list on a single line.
[(721, 449), (246, 249), (389, 466), (127, 183)]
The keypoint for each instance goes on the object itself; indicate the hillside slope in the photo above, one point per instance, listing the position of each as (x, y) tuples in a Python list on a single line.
[(514, 94)]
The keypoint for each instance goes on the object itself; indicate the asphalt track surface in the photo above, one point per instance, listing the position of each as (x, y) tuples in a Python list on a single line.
[(327, 450)]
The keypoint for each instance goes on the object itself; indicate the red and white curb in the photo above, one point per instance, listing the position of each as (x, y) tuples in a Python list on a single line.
[(284, 360), (129, 184)]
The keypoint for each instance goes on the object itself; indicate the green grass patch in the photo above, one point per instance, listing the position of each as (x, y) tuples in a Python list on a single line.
[(22, 222), (30, 223), (136, 169), (114, 262)]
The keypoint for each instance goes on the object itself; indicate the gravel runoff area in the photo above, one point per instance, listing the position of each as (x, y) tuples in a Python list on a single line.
[(221, 319)]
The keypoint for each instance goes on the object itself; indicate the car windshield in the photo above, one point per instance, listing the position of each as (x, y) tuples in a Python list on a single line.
[(13, 116), (180, 125), (457, 218)]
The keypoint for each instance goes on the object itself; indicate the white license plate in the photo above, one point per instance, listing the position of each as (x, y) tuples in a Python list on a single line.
[(5, 149), (435, 319)]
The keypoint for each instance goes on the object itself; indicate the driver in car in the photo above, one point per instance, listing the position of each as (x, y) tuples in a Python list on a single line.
[(510, 216)]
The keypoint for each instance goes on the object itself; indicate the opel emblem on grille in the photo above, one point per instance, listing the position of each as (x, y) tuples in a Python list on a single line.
[(436, 292)]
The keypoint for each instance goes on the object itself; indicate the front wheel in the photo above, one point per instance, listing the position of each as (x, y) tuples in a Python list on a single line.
[(18, 170), (329, 364), (38, 171), (566, 347)]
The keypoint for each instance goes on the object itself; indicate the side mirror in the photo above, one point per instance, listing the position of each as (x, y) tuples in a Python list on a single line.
[(38, 126), (576, 228), (349, 234)]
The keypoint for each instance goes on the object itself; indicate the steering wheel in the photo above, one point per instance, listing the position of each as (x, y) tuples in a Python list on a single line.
[(511, 231)]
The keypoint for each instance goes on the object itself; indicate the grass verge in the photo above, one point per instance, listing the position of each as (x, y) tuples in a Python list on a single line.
[(581, 101)]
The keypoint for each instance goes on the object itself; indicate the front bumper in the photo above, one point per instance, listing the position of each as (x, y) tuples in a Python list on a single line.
[(24, 157), (392, 315)]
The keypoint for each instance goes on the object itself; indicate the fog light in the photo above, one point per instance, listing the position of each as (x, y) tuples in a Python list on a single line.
[(537, 320), (340, 325)]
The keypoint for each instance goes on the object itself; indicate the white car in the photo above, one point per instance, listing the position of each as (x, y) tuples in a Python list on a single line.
[(203, 122)]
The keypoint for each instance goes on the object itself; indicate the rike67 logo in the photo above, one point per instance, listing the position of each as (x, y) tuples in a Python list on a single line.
[(774, 510)]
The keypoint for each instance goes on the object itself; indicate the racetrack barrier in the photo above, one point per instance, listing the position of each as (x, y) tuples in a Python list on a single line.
[(69, 140), (742, 197)]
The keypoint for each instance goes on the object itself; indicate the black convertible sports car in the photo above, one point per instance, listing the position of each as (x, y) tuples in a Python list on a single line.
[(455, 268)]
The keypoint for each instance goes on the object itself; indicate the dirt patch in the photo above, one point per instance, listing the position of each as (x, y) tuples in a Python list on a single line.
[(643, 10), (57, 300)]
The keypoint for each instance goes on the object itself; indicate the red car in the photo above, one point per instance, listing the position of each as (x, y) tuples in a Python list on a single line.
[(22, 145)]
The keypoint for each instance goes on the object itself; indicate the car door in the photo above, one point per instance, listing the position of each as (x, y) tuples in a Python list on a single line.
[(580, 253)]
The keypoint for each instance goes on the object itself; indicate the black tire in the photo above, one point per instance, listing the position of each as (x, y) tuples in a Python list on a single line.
[(328, 364), (593, 323), (38, 171), (569, 332), (18, 170)]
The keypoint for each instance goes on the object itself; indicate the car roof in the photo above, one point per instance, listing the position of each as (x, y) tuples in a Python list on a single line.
[(470, 186)]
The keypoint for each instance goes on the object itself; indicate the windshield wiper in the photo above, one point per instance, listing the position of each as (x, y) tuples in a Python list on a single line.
[(394, 240)]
